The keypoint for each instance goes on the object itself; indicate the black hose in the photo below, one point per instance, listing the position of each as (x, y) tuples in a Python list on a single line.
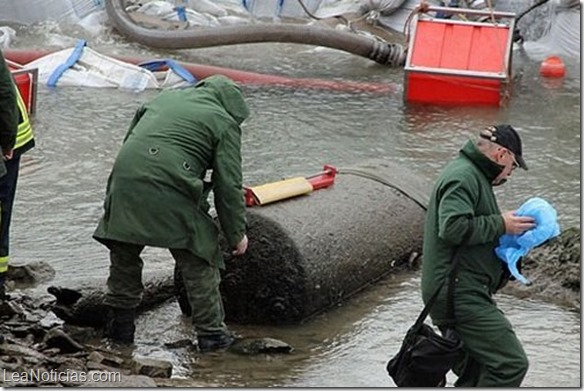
[(532, 7), (364, 174), (305, 8), (383, 53)]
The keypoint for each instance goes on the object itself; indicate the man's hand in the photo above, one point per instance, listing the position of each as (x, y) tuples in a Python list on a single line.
[(241, 247), (7, 155), (516, 225)]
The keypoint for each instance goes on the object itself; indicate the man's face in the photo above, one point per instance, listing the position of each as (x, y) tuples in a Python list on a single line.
[(505, 158)]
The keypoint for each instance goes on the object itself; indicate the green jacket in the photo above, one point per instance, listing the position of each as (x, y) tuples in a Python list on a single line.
[(8, 110), (155, 193), (463, 192)]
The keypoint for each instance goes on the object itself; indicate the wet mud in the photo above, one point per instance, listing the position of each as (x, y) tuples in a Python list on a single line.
[(554, 269)]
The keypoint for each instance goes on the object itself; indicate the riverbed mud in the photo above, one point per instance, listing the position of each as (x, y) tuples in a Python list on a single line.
[(554, 269)]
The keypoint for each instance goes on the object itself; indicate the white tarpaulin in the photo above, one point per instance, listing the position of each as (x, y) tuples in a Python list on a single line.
[(82, 66), (562, 36), (35, 11)]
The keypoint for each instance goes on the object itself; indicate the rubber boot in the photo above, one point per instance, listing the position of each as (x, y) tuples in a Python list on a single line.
[(120, 326), (208, 343)]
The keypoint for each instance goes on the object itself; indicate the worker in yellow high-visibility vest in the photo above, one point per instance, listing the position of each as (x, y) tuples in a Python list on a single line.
[(16, 137)]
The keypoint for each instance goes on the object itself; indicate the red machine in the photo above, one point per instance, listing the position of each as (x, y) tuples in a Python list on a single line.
[(459, 62)]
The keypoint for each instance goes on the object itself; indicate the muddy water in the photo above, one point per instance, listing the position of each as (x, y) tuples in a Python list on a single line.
[(295, 132)]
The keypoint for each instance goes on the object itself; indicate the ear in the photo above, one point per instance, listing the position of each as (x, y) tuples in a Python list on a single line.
[(498, 154)]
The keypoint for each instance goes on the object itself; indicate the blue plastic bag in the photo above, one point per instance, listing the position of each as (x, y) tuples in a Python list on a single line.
[(512, 247)]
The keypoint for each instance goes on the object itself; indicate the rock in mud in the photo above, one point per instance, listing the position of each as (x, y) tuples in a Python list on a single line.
[(554, 270), (83, 306), (250, 346), (30, 274)]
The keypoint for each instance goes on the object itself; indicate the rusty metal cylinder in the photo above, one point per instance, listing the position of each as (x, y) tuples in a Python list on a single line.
[(309, 253)]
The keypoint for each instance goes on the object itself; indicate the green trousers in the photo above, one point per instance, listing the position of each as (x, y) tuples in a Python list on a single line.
[(494, 356), (201, 280)]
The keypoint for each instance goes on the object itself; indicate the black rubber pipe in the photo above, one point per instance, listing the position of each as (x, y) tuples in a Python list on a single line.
[(383, 53)]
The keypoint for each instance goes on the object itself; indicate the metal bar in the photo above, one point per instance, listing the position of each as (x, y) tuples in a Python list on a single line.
[(467, 22), (33, 93), (509, 47), (466, 11), (34, 75), (329, 171), (458, 72), (13, 64), (412, 38)]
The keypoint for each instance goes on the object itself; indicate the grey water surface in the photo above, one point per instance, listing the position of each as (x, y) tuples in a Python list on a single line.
[(294, 132)]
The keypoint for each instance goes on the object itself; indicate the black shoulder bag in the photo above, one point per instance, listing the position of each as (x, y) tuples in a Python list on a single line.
[(425, 356)]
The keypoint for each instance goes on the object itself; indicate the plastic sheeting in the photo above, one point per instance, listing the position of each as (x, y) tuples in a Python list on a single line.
[(512, 247), (168, 11), (83, 66), (35, 11), (397, 19), (7, 34), (562, 36), (280, 8)]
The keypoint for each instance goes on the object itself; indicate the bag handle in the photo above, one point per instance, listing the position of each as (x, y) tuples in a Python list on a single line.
[(452, 278)]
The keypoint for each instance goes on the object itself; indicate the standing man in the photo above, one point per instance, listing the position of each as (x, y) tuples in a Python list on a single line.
[(463, 205), (156, 196), (16, 138)]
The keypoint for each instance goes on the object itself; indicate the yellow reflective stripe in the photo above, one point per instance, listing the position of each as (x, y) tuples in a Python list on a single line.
[(24, 133), (3, 264)]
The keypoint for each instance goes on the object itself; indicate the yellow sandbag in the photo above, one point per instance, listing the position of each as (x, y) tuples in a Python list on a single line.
[(281, 190)]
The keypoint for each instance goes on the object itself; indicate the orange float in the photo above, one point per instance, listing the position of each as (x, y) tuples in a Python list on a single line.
[(553, 66)]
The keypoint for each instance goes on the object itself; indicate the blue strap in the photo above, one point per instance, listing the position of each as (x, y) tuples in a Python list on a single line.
[(182, 16), (156, 65), (73, 58)]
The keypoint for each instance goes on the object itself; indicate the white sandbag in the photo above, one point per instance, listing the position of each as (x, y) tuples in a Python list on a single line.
[(384, 7), (200, 20), (281, 8), (162, 9), (35, 11), (7, 35), (167, 11), (331, 8), (207, 7), (94, 23), (232, 20), (93, 70)]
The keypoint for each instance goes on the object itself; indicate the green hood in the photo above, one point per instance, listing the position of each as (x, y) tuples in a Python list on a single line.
[(228, 93)]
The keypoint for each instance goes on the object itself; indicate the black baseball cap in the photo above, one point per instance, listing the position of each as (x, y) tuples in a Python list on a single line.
[(507, 137)]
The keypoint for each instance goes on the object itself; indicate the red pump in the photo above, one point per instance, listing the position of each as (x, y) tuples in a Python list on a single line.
[(323, 179)]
